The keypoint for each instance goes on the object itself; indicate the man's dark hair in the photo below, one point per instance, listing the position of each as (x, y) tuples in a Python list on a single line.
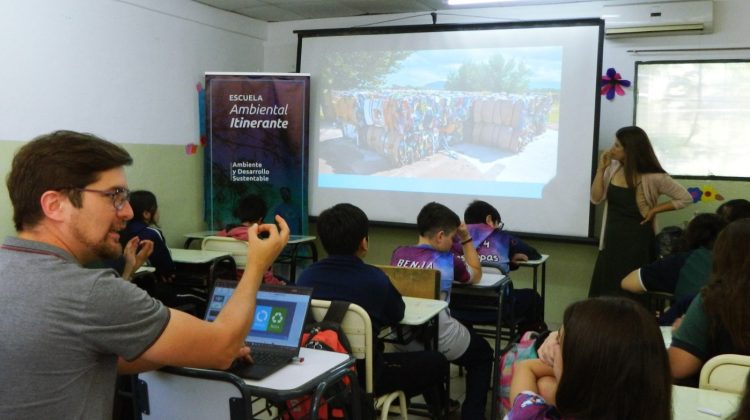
[(251, 209), (478, 211), (435, 217), (59, 161), (341, 228)]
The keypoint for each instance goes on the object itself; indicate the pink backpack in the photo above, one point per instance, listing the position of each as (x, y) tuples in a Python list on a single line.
[(522, 350)]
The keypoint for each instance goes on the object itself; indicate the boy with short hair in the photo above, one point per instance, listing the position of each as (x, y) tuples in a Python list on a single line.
[(438, 225), (343, 275)]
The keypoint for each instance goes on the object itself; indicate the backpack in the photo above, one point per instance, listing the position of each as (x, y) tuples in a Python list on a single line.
[(329, 335), (667, 240), (522, 350)]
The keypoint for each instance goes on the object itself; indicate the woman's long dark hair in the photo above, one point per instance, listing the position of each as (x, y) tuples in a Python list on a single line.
[(615, 364), (640, 156), (726, 297), (142, 201)]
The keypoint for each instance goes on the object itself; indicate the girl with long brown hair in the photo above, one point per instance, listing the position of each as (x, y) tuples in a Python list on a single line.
[(718, 319), (611, 364)]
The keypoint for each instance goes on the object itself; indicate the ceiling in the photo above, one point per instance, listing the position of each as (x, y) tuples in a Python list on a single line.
[(286, 10)]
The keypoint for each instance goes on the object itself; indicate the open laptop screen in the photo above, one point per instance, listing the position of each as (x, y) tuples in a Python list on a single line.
[(279, 312)]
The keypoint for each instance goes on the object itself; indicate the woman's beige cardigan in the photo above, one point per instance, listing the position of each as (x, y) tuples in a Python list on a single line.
[(647, 192)]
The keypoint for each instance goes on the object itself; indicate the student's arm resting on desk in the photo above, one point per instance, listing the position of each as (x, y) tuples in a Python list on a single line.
[(189, 341), (632, 282), (470, 254), (526, 376)]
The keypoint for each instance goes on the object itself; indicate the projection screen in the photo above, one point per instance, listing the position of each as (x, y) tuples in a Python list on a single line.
[(503, 112)]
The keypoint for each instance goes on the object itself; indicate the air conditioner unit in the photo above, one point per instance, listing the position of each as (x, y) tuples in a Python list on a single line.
[(648, 19)]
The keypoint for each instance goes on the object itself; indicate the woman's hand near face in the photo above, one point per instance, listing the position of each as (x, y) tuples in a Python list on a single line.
[(605, 160)]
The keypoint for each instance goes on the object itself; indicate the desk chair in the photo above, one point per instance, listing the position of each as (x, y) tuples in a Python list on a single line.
[(174, 394), (658, 302), (414, 282), (726, 373), (237, 248), (358, 329)]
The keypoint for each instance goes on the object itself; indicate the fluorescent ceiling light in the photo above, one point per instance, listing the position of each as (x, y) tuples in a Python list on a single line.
[(465, 2)]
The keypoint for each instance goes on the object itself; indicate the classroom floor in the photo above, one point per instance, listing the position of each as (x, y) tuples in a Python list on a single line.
[(458, 391)]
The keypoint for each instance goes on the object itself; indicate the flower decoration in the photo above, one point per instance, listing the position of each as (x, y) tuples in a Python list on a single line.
[(705, 193), (612, 83)]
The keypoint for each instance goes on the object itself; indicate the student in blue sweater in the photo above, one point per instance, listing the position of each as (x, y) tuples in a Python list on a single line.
[(343, 275), (145, 225)]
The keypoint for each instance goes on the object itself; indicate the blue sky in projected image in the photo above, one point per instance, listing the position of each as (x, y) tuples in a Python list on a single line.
[(431, 67)]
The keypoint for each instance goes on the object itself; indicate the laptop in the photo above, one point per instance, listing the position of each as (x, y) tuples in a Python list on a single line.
[(274, 338)]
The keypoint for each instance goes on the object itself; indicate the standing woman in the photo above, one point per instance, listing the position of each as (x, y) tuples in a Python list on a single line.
[(631, 180)]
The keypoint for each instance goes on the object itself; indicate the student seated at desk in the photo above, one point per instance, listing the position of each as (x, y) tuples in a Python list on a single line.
[(683, 272), (497, 248), (145, 225), (344, 276), (438, 225), (609, 363), (250, 210), (69, 330), (732, 210), (718, 318)]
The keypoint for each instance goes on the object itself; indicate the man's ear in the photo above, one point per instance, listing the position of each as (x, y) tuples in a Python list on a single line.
[(146, 216), (364, 244), (55, 205), (488, 220)]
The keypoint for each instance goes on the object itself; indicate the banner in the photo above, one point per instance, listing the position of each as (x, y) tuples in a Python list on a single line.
[(258, 144)]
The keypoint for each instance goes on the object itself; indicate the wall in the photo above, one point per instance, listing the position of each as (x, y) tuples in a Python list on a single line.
[(570, 265), (127, 71)]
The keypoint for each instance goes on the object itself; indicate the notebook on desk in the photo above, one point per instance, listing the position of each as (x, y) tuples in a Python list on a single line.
[(274, 338)]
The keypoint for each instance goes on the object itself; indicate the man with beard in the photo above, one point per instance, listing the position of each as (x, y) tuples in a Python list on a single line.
[(68, 330)]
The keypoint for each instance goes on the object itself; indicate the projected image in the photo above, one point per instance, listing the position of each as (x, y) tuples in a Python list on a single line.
[(504, 112), (486, 114)]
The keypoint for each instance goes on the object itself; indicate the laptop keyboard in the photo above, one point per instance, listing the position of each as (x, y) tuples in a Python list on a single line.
[(268, 358)]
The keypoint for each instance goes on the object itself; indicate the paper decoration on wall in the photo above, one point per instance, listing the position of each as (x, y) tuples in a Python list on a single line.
[(705, 193), (612, 83), (201, 113), (192, 148)]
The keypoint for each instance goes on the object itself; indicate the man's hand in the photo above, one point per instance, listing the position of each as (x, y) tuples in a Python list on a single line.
[(245, 355), (263, 252), (519, 258)]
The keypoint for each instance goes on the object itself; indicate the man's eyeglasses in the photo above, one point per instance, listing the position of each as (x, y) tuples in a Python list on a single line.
[(119, 196), (499, 225)]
